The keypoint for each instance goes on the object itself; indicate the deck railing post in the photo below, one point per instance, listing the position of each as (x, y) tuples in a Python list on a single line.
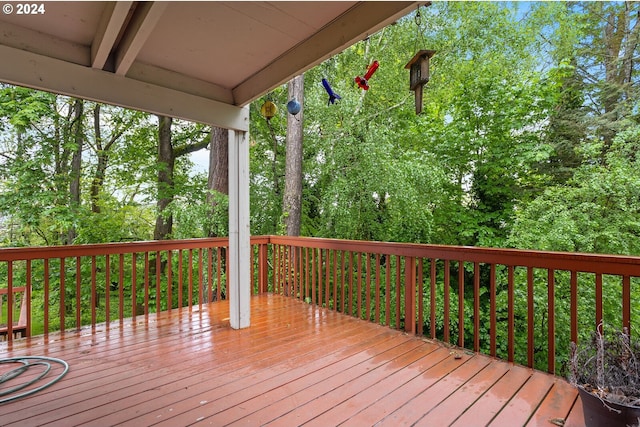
[(263, 271), (410, 295)]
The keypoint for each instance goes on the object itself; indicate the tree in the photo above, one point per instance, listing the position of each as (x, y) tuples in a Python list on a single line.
[(596, 211), (603, 46), (292, 198), (218, 180), (42, 159), (171, 148), (103, 145), (483, 115), (76, 165), (166, 164)]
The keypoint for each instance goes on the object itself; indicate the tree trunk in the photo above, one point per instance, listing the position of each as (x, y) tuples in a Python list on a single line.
[(102, 153), (292, 198), (101, 167), (166, 164), (76, 165), (218, 181), (167, 155), (620, 37)]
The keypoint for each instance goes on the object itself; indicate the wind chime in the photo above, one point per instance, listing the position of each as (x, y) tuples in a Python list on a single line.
[(419, 67)]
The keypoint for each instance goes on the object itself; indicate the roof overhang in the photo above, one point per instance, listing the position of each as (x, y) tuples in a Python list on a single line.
[(199, 61)]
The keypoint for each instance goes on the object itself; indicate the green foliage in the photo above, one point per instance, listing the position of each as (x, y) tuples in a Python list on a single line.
[(597, 211), (519, 121)]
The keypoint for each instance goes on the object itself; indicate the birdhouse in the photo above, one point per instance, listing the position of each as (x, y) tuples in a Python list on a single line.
[(419, 74)]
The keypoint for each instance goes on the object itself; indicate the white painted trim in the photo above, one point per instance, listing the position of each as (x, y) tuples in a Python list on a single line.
[(41, 44), (239, 269), (172, 80), (24, 68), (137, 33), (112, 20)]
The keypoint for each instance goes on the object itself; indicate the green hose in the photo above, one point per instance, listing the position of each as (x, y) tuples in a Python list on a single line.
[(27, 362)]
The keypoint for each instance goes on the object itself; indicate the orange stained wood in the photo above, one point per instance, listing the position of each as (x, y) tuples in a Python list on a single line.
[(296, 365)]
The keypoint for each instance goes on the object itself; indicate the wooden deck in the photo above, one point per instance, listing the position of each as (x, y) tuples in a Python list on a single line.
[(296, 365)]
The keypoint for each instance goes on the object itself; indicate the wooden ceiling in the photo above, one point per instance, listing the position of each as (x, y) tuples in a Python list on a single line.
[(201, 61)]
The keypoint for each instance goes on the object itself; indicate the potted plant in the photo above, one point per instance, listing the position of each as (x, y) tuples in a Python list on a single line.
[(606, 371)]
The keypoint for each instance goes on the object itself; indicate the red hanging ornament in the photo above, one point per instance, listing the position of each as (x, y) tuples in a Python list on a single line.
[(362, 82)]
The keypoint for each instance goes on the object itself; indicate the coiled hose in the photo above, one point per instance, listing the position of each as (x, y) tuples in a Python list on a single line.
[(27, 362)]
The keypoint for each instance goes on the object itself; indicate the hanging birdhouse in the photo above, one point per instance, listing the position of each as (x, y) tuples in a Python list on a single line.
[(419, 74), (268, 110)]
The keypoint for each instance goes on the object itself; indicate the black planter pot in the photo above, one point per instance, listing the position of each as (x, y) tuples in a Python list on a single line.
[(597, 414)]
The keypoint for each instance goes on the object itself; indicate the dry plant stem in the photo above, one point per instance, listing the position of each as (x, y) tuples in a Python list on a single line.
[(608, 366), (600, 361)]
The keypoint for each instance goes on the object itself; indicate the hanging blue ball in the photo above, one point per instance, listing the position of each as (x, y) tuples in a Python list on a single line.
[(293, 107)]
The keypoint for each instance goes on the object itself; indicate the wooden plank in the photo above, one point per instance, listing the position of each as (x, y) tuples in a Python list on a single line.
[(576, 416), (246, 375), (143, 22), (429, 398), (333, 391), (399, 397), (281, 387), (127, 388), (525, 401), (448, 410), (556, 407), (343, 411), (298, 363), (491, 402), (112, 20)]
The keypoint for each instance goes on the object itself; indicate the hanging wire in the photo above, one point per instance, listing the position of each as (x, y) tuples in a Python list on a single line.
[(419, 39)]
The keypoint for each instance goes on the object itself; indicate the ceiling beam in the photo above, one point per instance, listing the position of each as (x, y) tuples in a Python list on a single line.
[(172, 80), (357, 23), (33, 41), (142, 24), (53, 75), (110, 25)]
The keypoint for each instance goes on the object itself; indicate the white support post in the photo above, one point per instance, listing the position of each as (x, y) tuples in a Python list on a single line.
[(239, 270)]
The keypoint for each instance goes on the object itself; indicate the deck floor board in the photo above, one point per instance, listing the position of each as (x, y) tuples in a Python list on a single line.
[(296, 365)]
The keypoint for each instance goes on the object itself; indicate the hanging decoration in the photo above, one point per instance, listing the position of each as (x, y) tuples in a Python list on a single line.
[(332, 95), (268, 110), (363, 82), (419, 74), (293, 107), (419, 65)]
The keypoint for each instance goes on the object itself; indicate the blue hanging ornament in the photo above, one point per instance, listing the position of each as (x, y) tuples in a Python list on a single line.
[(293, 107), (332, 95)]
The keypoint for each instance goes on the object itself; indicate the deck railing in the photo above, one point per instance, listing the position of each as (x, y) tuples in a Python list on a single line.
[(522, 306), (73, 286)]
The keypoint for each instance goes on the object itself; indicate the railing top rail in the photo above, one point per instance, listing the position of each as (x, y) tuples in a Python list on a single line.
[(14, 289), (50, 252), (581, 262)]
